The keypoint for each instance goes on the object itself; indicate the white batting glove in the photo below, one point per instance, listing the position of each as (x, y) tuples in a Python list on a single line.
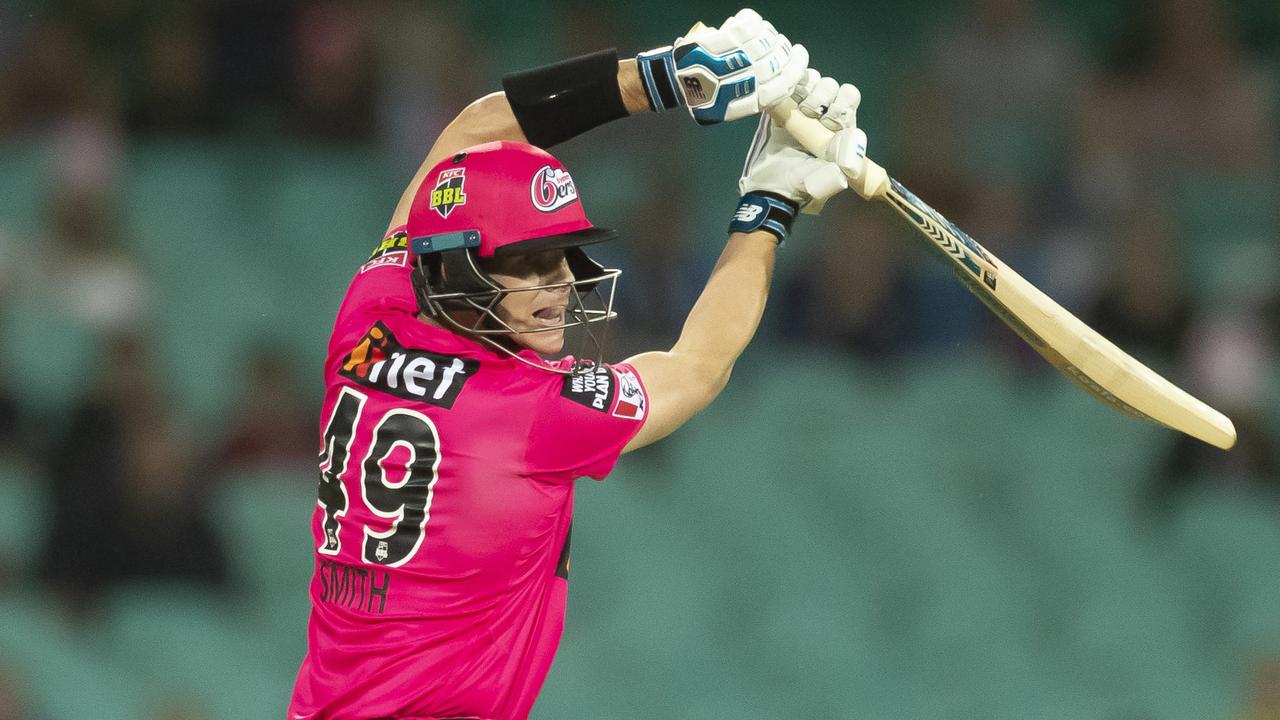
[(779, 165), (724, 74), (835, 105)]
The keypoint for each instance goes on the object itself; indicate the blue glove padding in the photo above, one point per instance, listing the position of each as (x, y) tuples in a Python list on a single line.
[(726, 73)]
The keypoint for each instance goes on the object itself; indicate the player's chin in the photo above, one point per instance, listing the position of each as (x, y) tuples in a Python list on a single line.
[(550, 342)]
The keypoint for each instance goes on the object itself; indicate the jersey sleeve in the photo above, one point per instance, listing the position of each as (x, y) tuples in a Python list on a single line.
[(382, 285), (586, 420)]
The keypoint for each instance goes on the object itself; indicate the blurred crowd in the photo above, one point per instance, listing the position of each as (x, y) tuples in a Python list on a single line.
[(87, 79), (1131, 174)]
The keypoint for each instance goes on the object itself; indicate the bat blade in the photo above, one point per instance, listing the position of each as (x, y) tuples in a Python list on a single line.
[(1077, 350)]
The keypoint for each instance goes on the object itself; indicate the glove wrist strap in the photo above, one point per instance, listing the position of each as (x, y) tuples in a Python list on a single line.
[(765, 211), (658, 74)]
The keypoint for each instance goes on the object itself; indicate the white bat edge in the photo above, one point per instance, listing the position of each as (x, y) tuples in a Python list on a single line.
[(1104, 364)]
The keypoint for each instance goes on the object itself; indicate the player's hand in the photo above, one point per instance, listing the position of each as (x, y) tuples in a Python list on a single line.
[(835, 106), (778, 164), (724, 74)]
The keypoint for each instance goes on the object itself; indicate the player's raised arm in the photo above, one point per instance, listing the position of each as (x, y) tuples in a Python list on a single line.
[(779, 179), (716, 74)]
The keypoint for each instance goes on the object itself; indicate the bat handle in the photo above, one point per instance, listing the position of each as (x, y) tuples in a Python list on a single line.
[(871, 183)]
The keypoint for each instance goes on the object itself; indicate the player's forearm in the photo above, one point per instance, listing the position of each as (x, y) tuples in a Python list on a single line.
[(490, 119), (727, 313), (633, 95)]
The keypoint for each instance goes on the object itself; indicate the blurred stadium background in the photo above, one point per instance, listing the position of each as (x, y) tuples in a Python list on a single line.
[(894, 511)]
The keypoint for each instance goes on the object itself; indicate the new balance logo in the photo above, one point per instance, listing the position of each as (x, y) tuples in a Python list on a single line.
[(747, 213), (693, 91)]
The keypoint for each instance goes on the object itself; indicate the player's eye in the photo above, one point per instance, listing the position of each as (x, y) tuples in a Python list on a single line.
[(542, 268), (550, 266)]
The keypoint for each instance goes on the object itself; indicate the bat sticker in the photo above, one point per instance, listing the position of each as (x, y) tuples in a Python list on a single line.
[(949, 238)]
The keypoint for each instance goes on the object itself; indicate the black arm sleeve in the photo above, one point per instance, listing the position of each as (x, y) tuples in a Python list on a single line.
[(557, 102)]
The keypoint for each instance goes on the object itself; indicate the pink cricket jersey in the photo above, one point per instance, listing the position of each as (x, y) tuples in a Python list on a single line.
[(445, 502)]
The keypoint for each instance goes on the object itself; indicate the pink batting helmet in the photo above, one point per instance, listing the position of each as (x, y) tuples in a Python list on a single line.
[(517, 199), (495, 200)]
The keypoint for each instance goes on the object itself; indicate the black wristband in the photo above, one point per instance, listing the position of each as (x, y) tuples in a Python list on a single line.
[(765, 211), (554, 103)]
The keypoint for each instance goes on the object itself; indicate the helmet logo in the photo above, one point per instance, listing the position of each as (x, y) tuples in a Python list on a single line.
[(552, 189), (448, 191)]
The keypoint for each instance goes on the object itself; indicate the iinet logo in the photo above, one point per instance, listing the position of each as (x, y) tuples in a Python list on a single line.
[(379, 362)]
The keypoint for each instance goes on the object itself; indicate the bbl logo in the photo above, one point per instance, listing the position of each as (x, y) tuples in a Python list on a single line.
[(552, 188), (448, 191)]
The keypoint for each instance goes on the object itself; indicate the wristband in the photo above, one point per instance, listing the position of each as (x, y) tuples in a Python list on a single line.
[(554, 103), (658, 74), (764, 211)]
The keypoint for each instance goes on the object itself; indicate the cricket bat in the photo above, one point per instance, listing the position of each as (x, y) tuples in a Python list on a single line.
[(1074, 348)]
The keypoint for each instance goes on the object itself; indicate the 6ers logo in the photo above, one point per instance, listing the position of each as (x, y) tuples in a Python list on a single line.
[(448, 191), (552, 189)]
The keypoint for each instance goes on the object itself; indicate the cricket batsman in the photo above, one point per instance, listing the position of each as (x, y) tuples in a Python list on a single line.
[(450, 440)]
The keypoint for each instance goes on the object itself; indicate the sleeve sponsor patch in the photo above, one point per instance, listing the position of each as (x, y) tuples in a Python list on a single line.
[(392, 251), (616, 391), (397, 258), (594, 389), (631, 403)]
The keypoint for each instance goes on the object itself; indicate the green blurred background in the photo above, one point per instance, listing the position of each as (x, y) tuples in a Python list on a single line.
[(894, 511)]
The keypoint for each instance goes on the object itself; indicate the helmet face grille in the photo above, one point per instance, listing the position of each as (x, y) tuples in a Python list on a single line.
[(590, 303)]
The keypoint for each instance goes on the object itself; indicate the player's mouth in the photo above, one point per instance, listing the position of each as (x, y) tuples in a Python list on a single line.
[(550, 316)]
